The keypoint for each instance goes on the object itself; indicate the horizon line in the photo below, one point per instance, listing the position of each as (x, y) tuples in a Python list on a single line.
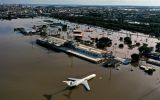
[(80, 4)]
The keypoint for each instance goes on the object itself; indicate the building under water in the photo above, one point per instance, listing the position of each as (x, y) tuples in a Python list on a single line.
[(77, 49)]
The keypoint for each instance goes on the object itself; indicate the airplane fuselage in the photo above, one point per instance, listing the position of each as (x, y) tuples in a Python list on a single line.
[(90, 77), (75, 82), (78, 82)]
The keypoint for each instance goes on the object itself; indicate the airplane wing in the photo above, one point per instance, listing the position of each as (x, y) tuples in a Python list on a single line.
[(85, 84), (73, 79)]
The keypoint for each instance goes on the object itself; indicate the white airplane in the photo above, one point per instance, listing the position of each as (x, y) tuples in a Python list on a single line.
[(73, 82)]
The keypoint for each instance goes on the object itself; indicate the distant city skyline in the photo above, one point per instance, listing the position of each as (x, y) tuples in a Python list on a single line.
[(86, 2)]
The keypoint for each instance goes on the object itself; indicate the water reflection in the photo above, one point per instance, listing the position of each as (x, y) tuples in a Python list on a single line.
[(47, 96), (67, 92)]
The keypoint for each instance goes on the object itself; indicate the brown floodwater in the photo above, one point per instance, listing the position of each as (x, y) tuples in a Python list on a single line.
[(34, 73)]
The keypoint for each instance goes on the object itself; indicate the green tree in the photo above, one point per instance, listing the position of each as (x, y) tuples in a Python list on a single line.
[(103, 42), (135, 58), (158, 47), (64, 27), (127, 40), (121, 39), (138, 44), (121, 45), (145, 49)]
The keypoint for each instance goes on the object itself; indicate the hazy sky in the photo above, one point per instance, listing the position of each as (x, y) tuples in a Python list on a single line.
[(87, 2)]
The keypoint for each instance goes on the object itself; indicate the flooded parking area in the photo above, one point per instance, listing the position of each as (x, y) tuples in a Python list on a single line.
[(89, 32), (31, 72)]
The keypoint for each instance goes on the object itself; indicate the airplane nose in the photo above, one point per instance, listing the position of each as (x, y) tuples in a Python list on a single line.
[(64, 81), (94, 75)]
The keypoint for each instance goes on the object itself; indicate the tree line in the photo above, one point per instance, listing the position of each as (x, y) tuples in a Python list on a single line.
[(151, 29)]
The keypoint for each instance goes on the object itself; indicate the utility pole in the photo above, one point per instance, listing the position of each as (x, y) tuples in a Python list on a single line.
[(71, 63), (110, 73)]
